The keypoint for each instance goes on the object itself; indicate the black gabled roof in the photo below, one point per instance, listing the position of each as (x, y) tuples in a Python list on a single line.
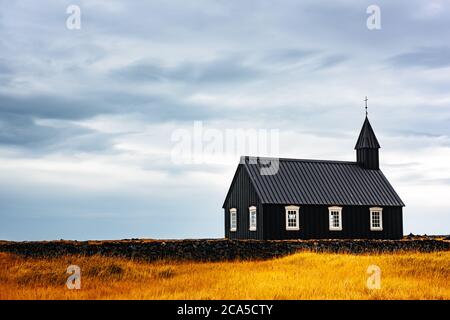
[(316, 182), (367, 138)]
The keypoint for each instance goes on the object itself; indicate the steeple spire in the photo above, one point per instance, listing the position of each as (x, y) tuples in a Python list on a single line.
[(367, 138), (367, 146)]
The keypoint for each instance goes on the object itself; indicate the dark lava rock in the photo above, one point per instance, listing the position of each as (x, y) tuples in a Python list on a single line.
[(217, 250)]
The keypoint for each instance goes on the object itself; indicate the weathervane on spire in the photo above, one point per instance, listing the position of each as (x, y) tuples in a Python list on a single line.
[(366, 105)]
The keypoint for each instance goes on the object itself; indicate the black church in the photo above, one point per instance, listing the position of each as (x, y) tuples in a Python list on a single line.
[(314, 199)]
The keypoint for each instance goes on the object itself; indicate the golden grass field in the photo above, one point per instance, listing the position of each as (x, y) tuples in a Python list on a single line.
[(300, 276)]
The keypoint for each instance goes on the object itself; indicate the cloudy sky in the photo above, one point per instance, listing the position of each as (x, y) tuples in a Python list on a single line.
[(88, 116)]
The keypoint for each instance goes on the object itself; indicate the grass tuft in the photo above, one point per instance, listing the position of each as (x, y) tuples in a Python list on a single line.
[(166, 273)]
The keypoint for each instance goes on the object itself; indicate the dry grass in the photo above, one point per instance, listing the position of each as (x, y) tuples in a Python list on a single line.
[(300, 276)]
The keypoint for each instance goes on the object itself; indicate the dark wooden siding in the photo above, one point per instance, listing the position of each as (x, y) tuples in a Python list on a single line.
[(368, 158), (314, 223), (242, 196)]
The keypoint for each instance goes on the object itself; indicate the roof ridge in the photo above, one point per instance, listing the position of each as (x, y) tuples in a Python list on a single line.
[(303, 160)]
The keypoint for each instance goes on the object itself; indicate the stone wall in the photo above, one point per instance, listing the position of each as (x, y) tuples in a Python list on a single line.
[(217, 249)]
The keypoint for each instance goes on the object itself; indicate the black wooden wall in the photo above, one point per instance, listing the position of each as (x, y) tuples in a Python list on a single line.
[(314, 223), (368, 158), (243, 196)]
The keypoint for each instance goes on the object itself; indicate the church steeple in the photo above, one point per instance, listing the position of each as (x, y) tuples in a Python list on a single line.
[(367, 146), (367, 138)]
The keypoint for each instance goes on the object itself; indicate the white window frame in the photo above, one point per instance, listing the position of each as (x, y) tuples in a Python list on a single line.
[(233, 213), (380, 212), (331, 226), (252, 211), (297, 218)]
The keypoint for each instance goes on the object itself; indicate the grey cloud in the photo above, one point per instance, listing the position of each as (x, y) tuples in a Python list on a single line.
[(156, 108), (218, 71), (18, 115), (437, 131), (430, 57), (23, 131), (140, 72), (288, 55), (6, 72), (88, 142), (415, 177), (331, 61), (414, 133), (407, 165), (49, 106), (229, 70), (151, 107), (4, 68)]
